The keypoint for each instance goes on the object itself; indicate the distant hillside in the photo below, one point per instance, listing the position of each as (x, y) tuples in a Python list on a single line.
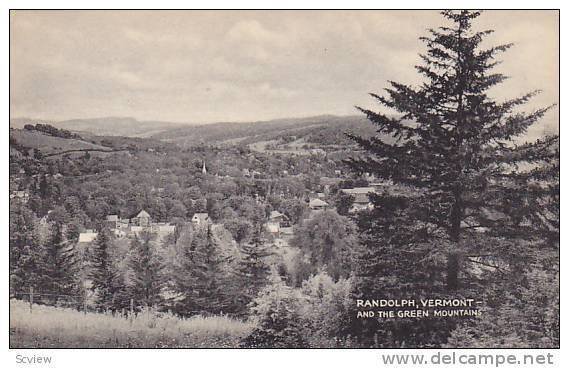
[(109, 126), (321, 130), (324, 129), (18, 123), (48, 144)]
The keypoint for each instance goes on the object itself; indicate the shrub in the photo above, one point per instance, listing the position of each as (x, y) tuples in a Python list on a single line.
[(275, 312), (325, 306)]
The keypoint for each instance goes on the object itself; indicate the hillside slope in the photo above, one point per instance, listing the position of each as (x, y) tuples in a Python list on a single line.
[(320, 129), (48, 144), (110, 126)]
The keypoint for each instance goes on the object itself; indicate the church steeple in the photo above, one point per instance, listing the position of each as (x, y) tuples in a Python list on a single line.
[(204, 170)]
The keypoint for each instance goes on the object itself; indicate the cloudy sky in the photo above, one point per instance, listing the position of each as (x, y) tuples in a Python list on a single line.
[(206, 66)]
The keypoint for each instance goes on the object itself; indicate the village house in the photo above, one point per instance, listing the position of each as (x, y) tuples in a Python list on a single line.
[(134, 227), (123, 224), (361, 198), (283, 237), (112, 221), (273, 228), (276, 223), (135, 230), (280, 218), (112, 218), (326, 183), (162, 229), (317, 204), (281, 234), (142, 219), (201, 219), (88, 236)]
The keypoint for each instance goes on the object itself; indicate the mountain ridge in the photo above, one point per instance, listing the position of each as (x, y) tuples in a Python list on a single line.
[(191, 134)]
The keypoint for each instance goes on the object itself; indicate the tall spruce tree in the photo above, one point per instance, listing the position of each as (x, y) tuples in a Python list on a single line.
[(146, 266), (469, 196), (107, 282), (25, 250), (252, 270), (201, 276), (59, 265)]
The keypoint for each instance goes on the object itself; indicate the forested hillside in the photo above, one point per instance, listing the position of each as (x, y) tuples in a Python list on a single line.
[(326, 129), (321, 129)]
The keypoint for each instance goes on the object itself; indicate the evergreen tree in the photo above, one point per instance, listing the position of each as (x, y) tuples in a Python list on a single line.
[(469, 195), (201, 276), (44, 187), (107, 281), (252, 270), (25, 250), (522, 317), (344, 203), (59, 265), (146, 279)]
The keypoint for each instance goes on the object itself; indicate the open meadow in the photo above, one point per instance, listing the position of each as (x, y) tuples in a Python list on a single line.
[(51, 327)]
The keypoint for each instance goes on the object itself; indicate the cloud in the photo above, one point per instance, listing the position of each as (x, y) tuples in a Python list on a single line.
[(200, 66), (252, 31)]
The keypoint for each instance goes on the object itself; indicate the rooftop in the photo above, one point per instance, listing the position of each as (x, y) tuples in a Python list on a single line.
[(143, 213), (317, 202), (360, 190)]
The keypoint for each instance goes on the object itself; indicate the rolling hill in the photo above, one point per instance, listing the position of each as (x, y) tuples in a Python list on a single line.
[(109, 126), (325, 129), (50, 145)]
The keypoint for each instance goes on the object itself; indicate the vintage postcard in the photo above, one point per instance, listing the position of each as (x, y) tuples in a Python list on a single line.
[(284, 179)]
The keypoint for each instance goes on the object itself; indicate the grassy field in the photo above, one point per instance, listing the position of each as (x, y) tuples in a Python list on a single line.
[(50, 327), (49, 144)]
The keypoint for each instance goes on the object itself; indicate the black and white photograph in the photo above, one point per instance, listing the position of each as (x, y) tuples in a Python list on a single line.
[(284, 179)]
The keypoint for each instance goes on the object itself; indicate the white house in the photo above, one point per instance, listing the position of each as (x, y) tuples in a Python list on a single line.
[(276, 216), (201, 219), (142, 219), (87, 237), (317, 204), (273, 227), (136, 230), (113, 221)]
